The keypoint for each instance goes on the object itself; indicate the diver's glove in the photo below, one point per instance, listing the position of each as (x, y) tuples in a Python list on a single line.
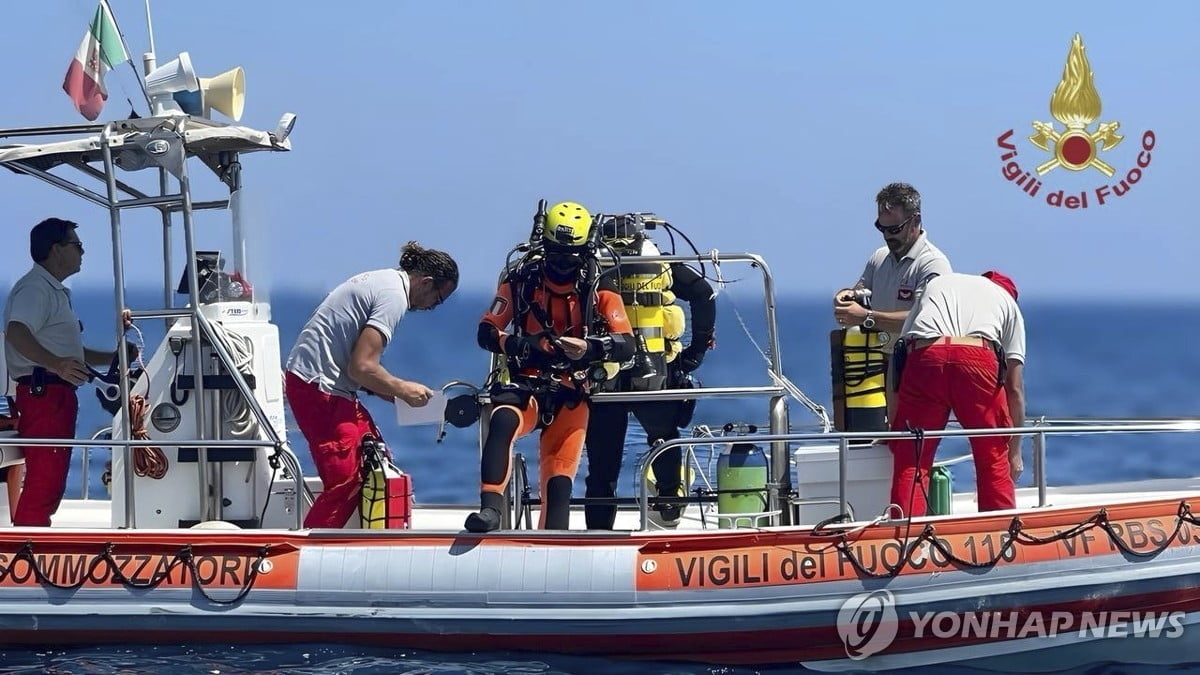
[(522, 346)]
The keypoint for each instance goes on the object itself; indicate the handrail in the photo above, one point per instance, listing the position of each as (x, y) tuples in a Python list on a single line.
[(55, 130), (844, 438), (134, 443), (87, 458)]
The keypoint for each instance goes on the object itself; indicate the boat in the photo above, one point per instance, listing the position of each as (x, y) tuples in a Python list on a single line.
[(202, 540)]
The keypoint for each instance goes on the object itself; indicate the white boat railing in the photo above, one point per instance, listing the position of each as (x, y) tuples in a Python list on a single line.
[(1041, 429)]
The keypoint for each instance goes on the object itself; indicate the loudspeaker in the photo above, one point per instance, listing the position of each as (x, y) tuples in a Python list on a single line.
[(225, 93), (174, 75)]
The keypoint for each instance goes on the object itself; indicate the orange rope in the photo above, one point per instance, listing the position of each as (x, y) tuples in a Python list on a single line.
[(150, 461)]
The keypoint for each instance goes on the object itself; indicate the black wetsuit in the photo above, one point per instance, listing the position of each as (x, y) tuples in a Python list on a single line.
[(660, 419)]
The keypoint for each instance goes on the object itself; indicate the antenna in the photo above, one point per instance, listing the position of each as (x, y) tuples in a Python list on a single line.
[(149, 27), (149, 62)]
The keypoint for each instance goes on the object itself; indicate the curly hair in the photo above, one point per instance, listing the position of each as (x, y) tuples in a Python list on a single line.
[(427, 261), (900, 195)]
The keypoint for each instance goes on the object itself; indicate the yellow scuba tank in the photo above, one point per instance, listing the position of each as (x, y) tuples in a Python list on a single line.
[(386, 492), (859, 369), (642, 289), (645, 291)]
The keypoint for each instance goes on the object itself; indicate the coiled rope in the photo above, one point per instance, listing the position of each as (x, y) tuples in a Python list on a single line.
[(150, 462)]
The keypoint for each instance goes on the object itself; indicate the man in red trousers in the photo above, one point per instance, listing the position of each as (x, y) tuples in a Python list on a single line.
[(964, 345), (45, 353)]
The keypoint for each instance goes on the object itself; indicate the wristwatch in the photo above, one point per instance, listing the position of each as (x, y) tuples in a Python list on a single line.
[(869, 322)]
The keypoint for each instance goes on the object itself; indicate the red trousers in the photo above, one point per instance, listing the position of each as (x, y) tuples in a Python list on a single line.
[(936, 380), (334, 427), (51, 415)]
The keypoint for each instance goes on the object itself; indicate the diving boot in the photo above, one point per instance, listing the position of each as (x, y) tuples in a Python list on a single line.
[(485, 520), (666, 517)]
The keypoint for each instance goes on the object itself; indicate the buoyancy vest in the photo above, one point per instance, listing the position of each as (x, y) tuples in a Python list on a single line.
[(539, 309)]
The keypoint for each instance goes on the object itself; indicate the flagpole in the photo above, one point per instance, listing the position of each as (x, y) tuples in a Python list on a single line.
[(125, 44)]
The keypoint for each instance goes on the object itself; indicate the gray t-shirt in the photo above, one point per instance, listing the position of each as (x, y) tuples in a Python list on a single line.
[(43, 304), (966, 305), (322, 353)]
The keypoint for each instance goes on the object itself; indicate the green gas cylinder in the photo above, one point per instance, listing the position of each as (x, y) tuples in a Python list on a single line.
[(741, 484), (941, 491)]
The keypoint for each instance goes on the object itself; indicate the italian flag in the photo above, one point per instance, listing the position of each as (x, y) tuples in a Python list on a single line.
[(100, 50)]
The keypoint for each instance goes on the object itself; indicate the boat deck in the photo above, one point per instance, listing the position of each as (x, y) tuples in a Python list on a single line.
[(96, 513)]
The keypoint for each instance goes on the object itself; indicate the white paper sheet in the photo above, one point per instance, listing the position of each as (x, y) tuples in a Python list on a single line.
[(430, 413)]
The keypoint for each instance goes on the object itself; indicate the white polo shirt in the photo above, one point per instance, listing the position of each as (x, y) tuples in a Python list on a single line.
[(43, 304), (968, 305)]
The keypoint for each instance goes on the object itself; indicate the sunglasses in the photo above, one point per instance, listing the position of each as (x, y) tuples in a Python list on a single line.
[(893, 229)]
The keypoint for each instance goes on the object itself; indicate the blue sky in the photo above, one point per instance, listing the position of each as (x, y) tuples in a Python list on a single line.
[(753, 126)]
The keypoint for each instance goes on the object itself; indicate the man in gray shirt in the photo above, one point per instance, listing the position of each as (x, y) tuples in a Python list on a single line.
[(895, 272), (338, 352)]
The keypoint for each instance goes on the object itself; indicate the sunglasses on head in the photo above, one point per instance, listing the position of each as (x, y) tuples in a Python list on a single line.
[(893, 229)]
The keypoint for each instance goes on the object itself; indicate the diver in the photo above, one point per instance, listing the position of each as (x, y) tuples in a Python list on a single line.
[(553, 319), (649, 291)]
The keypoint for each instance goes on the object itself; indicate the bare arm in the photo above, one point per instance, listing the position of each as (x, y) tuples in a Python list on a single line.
[(67, 367), (1014, 389), (367, 371)]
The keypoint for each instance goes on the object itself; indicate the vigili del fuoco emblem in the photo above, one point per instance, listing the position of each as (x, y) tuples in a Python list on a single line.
[(1078, 144)]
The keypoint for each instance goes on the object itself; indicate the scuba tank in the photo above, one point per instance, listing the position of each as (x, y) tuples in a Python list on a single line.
[(386, 492), (859, 370), (941, 491), (645, 291), (741, 481), (642, 287)]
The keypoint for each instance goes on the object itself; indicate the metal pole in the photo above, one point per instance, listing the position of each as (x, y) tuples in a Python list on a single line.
[(235, 208), (168, 273), (779, 490), (114, 215), (1039, 465), (189, 237), (843, 465)]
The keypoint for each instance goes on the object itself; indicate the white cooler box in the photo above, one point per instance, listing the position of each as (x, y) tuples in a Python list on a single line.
[(868, 481)]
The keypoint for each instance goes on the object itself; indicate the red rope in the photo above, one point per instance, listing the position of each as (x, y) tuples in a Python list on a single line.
[(148, 461)]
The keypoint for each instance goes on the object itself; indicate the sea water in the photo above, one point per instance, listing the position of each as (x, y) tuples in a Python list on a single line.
[(1085, 359)]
